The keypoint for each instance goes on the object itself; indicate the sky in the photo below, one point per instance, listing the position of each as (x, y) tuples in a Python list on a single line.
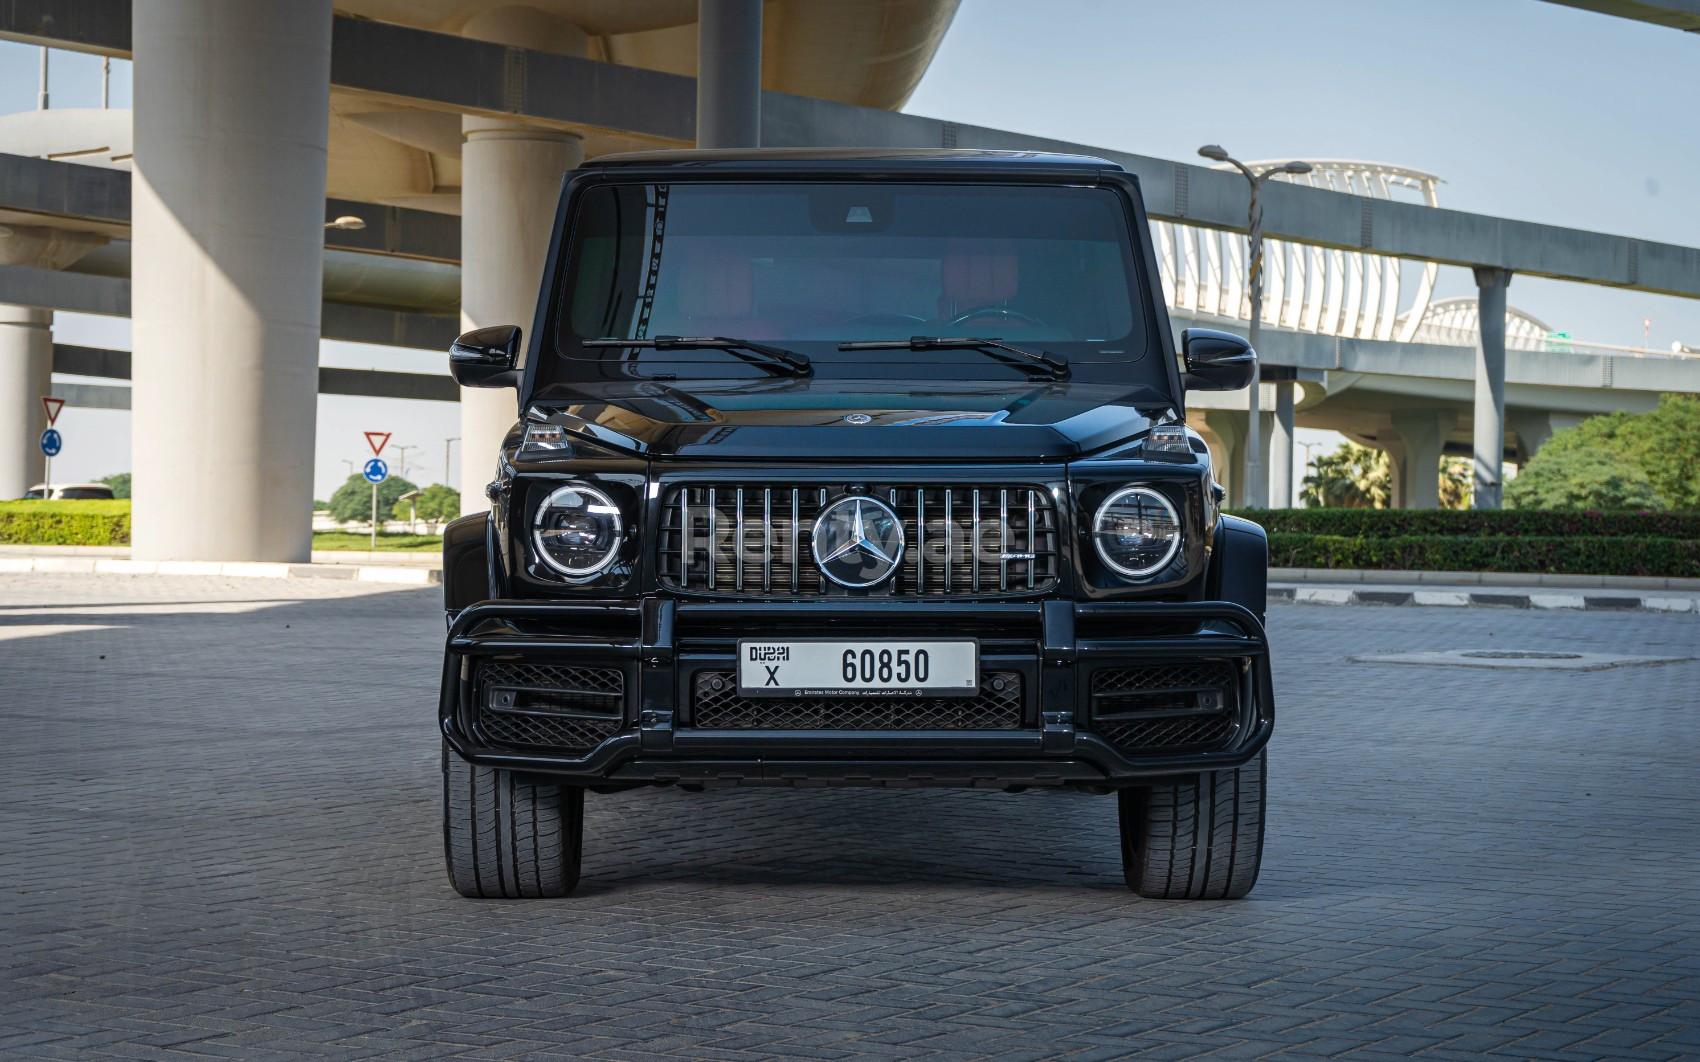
[(1526, 109)]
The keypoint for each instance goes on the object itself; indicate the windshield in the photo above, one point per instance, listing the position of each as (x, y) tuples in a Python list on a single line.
[(805, 266)]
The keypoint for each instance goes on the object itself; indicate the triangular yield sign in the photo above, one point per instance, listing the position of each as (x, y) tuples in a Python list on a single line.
[(377, 440), (53, 406)]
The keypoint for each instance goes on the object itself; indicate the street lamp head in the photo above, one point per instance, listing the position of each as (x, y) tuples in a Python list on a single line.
[(1213, 152), (1297, 167), (347, 221)]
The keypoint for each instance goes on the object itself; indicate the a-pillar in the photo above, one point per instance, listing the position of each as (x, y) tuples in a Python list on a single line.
[(1423, 433), (1281, 445), (231, 105), (1489, 433), (510, 182), (729, 73), (26, 373)]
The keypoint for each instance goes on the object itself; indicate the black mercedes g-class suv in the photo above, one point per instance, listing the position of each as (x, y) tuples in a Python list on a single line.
[(853, 468)]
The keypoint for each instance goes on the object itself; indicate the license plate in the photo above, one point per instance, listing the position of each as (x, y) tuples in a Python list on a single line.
[(858, 668)]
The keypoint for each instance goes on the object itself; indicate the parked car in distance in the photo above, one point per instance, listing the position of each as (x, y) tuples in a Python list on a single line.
[(71, 492)]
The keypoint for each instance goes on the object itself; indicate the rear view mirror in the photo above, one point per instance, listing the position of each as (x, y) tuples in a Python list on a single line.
[(486, 357), (1216, 361)]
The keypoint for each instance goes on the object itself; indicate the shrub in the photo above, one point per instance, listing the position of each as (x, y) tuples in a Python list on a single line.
[(1572, 554), (65, 523), (1388, 523)]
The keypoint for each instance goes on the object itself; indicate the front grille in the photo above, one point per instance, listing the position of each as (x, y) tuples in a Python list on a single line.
[(753, 540), (717, 706), (544, 705), (1166, 706)]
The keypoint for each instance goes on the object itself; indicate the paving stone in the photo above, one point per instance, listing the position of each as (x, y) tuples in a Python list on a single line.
[(219, 837)]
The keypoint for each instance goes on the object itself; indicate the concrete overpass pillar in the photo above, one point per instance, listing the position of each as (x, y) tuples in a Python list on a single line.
[(1533, 427), (1423, 432), (229, 188), (511, 176), (1281, 443), (729, 73), (1228, 426), (1490, 387), (26, 370)]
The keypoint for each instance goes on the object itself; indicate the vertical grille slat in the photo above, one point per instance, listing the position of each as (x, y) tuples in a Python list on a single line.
[(713, 540), (1032, 545), (954, 534)]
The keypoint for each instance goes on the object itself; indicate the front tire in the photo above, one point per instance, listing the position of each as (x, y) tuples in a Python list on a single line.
[(1201, 839), (504, 838)]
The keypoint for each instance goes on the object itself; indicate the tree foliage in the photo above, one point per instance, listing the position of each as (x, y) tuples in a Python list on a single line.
[(353, 500), (1352, 477), (119, 482), (1569, 478), (434, 504), (1456, 483), (1663, 444)]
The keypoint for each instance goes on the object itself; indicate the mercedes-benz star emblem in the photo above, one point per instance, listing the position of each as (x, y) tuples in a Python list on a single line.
[(857, 542), (858, 418)]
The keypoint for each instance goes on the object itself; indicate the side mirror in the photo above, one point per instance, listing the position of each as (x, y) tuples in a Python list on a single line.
[(1216, 361), (486, 357)]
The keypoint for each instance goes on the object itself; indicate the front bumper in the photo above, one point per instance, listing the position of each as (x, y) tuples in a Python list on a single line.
[(1070, 732)]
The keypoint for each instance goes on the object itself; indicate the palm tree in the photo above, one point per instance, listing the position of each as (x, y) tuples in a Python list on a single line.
[(1352, 477)]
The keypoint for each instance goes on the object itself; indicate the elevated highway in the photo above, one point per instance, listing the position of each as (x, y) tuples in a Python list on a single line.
[(475, 107)]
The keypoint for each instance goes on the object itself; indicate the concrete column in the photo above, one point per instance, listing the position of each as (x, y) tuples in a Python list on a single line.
[(229, 192), (1533, 427), (1424, 433), (1281, 448), (26, 370), (1490, 386), (511, 176), (1229, 427), (729, 73)]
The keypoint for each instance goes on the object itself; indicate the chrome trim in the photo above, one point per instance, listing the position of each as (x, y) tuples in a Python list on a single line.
[(713, 539)]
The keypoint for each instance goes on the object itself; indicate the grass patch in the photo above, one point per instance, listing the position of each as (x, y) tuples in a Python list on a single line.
[(391, 540)]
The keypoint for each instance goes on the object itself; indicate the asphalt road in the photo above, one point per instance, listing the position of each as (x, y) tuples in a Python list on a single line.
[(219, 837)]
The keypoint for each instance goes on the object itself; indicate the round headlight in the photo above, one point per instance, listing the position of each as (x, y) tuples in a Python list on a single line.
[(577, 531), (1136, 531)]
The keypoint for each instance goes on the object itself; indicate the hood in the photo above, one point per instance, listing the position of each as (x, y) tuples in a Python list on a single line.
[(852, 419)]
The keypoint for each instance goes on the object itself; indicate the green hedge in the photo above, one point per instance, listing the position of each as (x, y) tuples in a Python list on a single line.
[(1568, 554), (1521, 523), (65, 523)]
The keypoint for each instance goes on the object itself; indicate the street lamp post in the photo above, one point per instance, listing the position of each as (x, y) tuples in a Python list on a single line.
[(1256, 488), (446, 444)]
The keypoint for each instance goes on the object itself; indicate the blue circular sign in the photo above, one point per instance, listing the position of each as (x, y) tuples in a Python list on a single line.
[(376, 471), (51, 443)]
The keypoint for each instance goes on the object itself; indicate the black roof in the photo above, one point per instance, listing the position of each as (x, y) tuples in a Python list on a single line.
[(966, 160)]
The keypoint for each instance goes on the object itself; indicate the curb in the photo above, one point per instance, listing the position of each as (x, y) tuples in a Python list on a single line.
[(369, 573), (1519, 580), (1453, 598)]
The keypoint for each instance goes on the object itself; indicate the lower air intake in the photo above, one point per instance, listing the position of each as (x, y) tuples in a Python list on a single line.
[(718, 706)]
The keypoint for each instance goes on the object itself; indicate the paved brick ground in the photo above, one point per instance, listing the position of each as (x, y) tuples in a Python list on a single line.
[(219, 837)]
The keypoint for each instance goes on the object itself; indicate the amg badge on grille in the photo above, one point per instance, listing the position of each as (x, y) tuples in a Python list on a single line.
[(857, 542)]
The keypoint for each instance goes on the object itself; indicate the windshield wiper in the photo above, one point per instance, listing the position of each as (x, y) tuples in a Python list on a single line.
[(777, 360), (1039, 366)]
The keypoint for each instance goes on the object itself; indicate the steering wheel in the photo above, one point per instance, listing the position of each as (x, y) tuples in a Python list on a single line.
[(1011, 316), (876, 320)]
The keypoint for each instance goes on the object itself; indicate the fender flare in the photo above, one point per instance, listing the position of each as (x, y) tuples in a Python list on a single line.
[(1239, 564), (467, 575)]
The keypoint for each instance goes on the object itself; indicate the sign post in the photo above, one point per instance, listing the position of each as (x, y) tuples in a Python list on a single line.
[(376, 471), (51, 441)]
